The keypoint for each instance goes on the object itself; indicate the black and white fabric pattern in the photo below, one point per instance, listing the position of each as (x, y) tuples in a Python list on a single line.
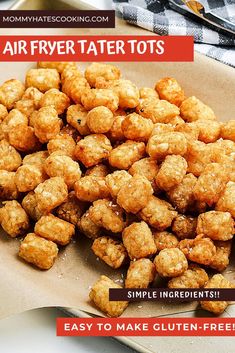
[(157, 16)]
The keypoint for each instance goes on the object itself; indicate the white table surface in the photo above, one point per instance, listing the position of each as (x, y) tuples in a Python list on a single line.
[(35, 331)]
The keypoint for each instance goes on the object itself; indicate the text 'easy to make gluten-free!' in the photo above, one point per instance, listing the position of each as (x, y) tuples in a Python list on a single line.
[(146, 326)]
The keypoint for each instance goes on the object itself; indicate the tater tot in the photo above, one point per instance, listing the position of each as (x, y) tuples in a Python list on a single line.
[(93, 149), (70, 131), (158, 213), (100, 70), (23, 138), (99, 120), (77, 117), (37, 158), (226, 201), (58, 65), (13, 119), (8, 188), (160, 128), (190, 130), (176, 121), (42, 79), (29, 204), (10, 159), (32, 118), (165, 240), (75, 87), (159, 146), (72, 209), (91, 188), (198, 156), (107, 214), (146, 167), (216, 307), (171, 262), (33, 94), (88, 227), (111, 251), (140, 274), (210, 183), (220, 260), (193, 277), (51, 193), (99, 294), (10, 92), (216, 225), (123, 156), (62, 143), (159, 111), (127, 93), (29, 102), (26, 106), (70, 72), (54, 229), (184, 226), (200, 250), (47, 125), (146, 92), (181, 196), (3, 112), (193, 109), (58, 100), (115, 133), (230, 168), (38, 251), (171, 172), (57, 165), (208, 132), (169, 89), (13, 218), (116, 180), (134, 195), (28, 177), (221, 149), (99, 170), (2, 135), (228, 130), (138, 240), (100, 97), (137, 128)]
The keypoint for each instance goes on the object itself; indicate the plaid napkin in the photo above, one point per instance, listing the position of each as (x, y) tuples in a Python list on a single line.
[(157, 16)]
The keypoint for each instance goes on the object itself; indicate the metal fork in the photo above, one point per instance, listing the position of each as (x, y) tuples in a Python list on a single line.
[(197, 9)]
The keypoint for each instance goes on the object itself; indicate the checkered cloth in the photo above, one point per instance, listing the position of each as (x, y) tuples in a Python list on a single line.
[(157, 16)]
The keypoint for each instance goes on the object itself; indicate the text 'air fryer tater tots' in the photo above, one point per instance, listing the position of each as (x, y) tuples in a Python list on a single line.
[(148, 174)]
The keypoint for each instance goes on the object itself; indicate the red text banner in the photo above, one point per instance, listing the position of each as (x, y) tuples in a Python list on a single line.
[(146, 327), (97, 48)]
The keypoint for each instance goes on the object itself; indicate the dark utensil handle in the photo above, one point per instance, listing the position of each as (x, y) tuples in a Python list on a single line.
[(227, 25)]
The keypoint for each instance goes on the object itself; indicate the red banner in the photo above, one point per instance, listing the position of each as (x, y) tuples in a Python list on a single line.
[(96, 48), (146, 327)]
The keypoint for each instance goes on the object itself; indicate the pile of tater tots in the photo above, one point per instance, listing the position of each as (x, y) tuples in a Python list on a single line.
[(148, 174)]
